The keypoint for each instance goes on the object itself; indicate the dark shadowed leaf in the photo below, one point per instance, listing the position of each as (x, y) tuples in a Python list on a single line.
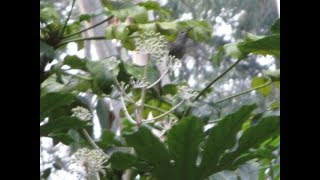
[(121, 160), (222, 137), (102, 77), (75, 62), (150, 149), (267, 128), (275, 28), (61, 124), (183, 143), (52, 101)]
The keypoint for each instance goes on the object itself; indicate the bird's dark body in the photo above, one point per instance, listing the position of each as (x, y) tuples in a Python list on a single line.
[(178, 47), (177, 50)]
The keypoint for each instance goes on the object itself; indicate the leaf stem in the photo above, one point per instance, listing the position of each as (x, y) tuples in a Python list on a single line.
[(81, 39), (210, 84), (244, 92), (92, 143), (77, 75), (164, 114), (99, 23), (143, 92), (216, 79), (158, 80), (66, 22)]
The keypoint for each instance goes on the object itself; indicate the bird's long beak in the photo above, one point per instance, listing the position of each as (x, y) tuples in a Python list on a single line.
[(190, 28)]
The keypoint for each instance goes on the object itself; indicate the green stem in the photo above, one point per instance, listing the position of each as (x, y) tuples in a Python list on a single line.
[(243, 92), (99, 23), (81, 39), (210, 84), (143, 92), (91, 142), (216, 79), (164, 114), (77, 75), (66, 22)]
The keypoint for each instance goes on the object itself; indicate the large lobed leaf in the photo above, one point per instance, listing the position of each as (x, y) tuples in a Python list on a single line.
[(150, 149), (51, 102), (222, 137), (183, 143)]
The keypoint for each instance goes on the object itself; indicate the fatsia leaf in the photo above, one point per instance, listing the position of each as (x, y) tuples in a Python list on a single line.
[(221, 138), (183, 143), (149, 148)]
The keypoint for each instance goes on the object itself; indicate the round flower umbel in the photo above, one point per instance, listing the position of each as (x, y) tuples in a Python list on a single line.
[(81, 113), (91, 161), (152, 43), (186, 93)]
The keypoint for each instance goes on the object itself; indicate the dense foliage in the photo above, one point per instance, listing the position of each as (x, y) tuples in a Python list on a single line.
[(158, 134)]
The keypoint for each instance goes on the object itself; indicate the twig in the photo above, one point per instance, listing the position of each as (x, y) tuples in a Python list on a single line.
[(88, 27)]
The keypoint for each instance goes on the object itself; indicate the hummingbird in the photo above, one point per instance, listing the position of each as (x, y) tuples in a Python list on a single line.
[(178, 47)]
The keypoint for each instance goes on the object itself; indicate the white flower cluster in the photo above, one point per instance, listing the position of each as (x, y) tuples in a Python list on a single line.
[(186, 93), (81, 113), (152, 43), (91, 161), (174, 63)]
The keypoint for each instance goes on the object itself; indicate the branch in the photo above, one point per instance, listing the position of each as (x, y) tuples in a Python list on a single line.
[(143, 92), (158, 80), (81, 39), (88, 27), (211, 83), (244, 92), (77, 75), (65, 24), (216, 79), (126, 111), (164, 114), (92, 143)]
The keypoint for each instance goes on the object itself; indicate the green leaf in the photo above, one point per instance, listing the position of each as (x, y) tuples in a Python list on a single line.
[(102, 77), (108, 139), (275, 28), (150, 149), (52, 101), (148, 26), (46, 173), (61, 124), (120, 32), (258, 81), (183, 143), (273, 74), (267, 45), (121, 161), (76, 84), (49, 13), (170, 89), (85, 17), (128, 44), (137, 72), (153, 5), (233, 51), (222, 137), (267, 128), (75, 62), (62, 137), (138, 13), (201, 32)]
